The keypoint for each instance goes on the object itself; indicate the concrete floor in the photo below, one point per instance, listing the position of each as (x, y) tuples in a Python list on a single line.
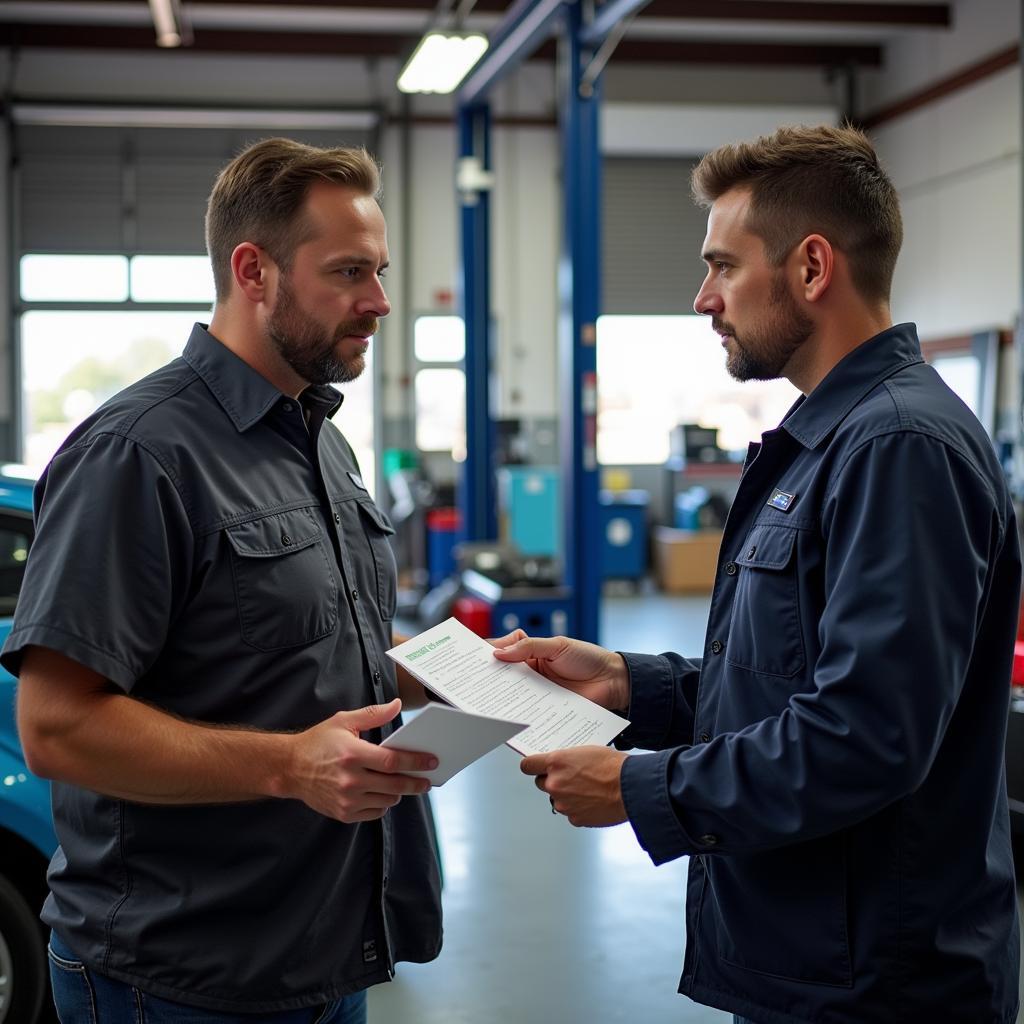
[(545, 923)]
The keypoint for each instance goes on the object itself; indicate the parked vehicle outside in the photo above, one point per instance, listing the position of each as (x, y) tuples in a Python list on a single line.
[(26, 828)]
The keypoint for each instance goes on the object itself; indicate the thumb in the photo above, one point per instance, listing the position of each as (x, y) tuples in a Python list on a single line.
[(370, 717)]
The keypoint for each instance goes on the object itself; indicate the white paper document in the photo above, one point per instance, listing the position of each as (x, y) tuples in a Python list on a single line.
[(456, 738), (460, 667)]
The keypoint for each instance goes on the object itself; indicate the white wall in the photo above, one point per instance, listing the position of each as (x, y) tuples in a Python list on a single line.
[(957, 165)]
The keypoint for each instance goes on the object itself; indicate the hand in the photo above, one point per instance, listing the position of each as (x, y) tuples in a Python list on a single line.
[(344, 777), (582, 782), (586, 669)]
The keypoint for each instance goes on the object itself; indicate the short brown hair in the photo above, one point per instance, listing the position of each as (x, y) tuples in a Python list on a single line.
[(258, 197), (814, 180)]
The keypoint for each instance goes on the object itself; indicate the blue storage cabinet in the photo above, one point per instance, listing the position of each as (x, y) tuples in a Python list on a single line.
[(623, 518), (530, 501)]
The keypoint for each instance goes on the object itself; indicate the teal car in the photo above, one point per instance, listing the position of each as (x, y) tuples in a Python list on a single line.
[(26, 829)]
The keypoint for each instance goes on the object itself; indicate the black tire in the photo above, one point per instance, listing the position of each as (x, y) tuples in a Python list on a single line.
[(24, 972)]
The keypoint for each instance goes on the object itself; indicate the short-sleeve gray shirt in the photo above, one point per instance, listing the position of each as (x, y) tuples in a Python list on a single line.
[(208, 550)]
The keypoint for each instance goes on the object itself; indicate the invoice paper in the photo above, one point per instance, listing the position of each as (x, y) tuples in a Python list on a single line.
[(456, 738), (460, 667)]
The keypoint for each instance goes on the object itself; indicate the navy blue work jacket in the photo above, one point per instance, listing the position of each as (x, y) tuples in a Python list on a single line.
[(834, 762)]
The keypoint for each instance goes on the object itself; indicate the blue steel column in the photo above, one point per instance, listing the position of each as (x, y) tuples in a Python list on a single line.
[(580, 303), (477, 499)]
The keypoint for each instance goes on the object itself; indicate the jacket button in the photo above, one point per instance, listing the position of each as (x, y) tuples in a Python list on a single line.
[(730, 569), (285, 539), (709, 840), (337, 517), (716, 646), (355, 594), (705, 737), (752, 552), (287, 406)]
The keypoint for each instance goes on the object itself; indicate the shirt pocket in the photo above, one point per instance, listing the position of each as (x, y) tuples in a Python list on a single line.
[(284, 586), (764, 634), (377, 528)]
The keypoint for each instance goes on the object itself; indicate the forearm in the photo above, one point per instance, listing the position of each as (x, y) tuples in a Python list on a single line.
[(127, 749)]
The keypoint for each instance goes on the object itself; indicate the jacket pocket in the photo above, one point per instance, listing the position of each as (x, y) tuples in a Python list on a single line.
[(783, 912), (378, 529), (764, 634), (284, 586)]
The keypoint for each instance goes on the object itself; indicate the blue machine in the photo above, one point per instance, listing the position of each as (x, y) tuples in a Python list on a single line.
[(530, 501), (624, 534)]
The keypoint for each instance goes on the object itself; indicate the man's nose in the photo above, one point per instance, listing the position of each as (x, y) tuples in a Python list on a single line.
[(707, 301)]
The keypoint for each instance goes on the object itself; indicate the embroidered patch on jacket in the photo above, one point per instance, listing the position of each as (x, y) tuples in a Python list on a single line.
[(782, 500), (357, 480)]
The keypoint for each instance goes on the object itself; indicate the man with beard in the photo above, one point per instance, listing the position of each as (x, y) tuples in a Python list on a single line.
[(833, 763), (201, 644)]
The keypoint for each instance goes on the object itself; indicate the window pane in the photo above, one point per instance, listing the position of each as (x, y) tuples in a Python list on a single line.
[(74, 278), (439, 339), (654, 372), (73, 361), (441, 411), (15, 537), (171, 279), (355, 420)]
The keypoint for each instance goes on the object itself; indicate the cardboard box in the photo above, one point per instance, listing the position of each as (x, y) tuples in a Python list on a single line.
[(685, 561)]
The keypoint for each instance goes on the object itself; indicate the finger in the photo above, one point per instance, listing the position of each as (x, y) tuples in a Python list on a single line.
[(541, 782), (544, 647), (535, 764), (371, 717), (392, 761), (508, 639)]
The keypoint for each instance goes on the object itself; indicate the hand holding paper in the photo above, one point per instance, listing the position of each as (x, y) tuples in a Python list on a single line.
[(462, 669)]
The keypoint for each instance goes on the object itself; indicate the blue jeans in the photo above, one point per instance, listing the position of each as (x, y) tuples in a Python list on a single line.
[(84, 997)]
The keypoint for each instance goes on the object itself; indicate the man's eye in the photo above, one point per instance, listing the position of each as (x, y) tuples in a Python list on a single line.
[(382, 273)]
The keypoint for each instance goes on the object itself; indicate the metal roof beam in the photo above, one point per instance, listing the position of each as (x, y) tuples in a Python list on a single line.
[(526, 25), (607, 18)]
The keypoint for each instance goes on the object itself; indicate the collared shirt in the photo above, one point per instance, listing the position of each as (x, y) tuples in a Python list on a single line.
[(206, 543), (834, 761)]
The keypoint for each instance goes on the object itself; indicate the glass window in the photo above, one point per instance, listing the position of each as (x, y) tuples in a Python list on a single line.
[(355, 420), (72, 361), (171, 279), (15, 538), (654, 372), (74, 278), (441, 411), (439, 339)]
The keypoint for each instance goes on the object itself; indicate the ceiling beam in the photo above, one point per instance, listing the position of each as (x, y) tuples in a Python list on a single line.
[(916, 15)]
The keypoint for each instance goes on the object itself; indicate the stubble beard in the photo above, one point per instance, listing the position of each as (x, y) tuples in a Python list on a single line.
[(764, 352), (310, 349)]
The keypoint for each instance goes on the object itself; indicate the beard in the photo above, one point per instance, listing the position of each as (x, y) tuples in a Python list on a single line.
[(309, 348), (763, 352)]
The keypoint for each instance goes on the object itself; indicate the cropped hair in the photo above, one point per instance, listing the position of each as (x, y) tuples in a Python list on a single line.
[(259, 198), (807, 180)]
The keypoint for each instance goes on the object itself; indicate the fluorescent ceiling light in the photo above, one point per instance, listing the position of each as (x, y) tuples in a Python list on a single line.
[(441, 61)]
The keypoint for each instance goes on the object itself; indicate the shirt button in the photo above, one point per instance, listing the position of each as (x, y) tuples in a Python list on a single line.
[(752, 552), (355, 594), (716, 646), (705, 737), (709, 840), (287, 406), (337, 518), (731, 569), (285, 539)]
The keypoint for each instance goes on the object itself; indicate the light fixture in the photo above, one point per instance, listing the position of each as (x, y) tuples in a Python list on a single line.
[(171, 27), (441, 61)]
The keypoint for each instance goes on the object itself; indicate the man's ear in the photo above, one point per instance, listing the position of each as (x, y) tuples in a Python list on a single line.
[(249, 268), (816, 263)]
